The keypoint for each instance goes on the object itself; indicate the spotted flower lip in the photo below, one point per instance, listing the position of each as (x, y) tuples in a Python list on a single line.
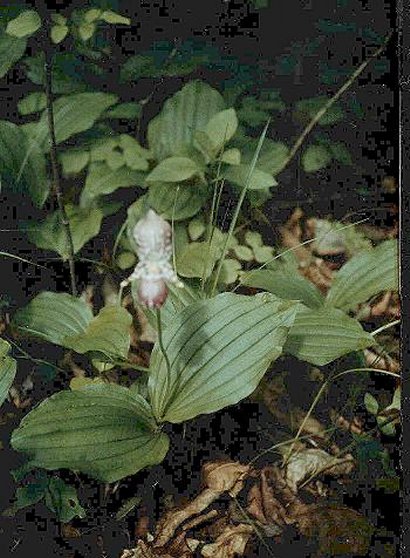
[(153, 236)]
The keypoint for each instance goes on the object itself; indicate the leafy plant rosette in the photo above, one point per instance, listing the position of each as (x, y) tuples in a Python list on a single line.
[(212, 354)]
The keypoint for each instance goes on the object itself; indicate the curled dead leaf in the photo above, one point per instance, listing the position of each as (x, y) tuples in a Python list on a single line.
[(225, 476), (309, 463), (232, 542)]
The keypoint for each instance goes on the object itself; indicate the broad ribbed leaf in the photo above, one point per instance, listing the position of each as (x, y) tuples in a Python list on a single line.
[(67, 321), (8, 367), (321, 336), (33, 102), (218, 349), (176, 203), (260, 180), (101, 180), (11, 50), (365, 275), (73, 114), (51, 234), (102, 430), (285, 283), (24, 25), (108, 333), (221, 128), (22, 166), (54, 316), (172, 131), (174, 169)]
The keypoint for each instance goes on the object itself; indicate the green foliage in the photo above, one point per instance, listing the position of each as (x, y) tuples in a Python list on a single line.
[(102, 430), (306, 109), (68, 321), (172, 131), (24, 25), (174, 169), (22, 165), (51, 235), (364, 276), (33, 102), (11, 50), (218, 349), (73, 114), (315, 157), (8, 368), (285, 282), (61, 498), (323, 335)]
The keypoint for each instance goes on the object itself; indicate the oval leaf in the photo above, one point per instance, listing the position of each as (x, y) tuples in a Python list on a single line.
[(173, 202), (172, 131), (54, 316), (260, 180), (174, 169), (365, 275), (219, 349), (11, 50), (221, 128), (51, 235), (8, 368), (22, 166), (285, 283), (315, 157), (24, 25), (102, 430), (72, 114), (321, 336), (108, 333)]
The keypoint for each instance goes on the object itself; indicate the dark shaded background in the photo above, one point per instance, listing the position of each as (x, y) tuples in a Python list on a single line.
[(249, 35)]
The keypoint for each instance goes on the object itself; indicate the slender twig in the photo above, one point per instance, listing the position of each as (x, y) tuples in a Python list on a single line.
[(384, 327), (331, 102), (322, 388), (54, 164)]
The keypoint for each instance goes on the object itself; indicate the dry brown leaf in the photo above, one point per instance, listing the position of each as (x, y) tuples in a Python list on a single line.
[(232, 542), (225, 476), (313, 462), (218, 477)]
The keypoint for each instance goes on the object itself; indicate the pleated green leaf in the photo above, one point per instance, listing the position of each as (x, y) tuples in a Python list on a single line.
[(218, 349), (102, 180), (321, 336), (50, 234), (22, 166), (176, 203), (174, 169), (108, 333), (67, 321), (365, 275), (8, 367), (11, 50), (285, 283), (102, 430), (190, 109), (53, 317), (73, 114)]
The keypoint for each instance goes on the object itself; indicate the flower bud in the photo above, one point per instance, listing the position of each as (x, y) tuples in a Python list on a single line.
[(152, 294)]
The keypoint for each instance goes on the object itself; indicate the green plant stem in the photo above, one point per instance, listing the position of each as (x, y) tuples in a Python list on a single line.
[(323, 387), (162, 348), (298, 143), (384, 327), (54, 166), (238, 208)]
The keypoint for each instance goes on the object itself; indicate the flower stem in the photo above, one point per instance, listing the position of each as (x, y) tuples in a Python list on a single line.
[(162, 348)]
